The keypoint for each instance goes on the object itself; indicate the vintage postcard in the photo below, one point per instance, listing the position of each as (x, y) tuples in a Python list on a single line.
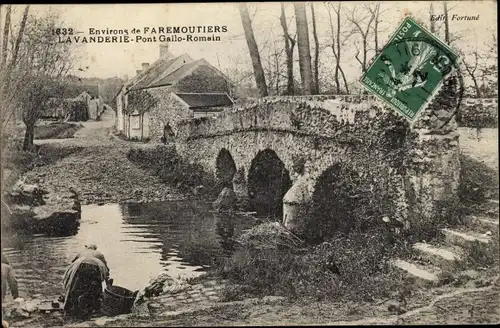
[(219, 164)]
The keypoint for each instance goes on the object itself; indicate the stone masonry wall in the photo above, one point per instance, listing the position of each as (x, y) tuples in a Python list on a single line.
[(167, 110), (419, 166)]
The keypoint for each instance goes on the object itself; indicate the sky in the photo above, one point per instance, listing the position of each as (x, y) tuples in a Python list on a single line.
[(120, 59)]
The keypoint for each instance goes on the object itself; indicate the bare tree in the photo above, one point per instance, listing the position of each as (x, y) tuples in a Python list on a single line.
[(240, 74), (488, 68), (260, 78), (363, 31), (5, 39), (446, 24), (289, 46), (316, 51), (273, 67), (336, 43), (375, 12), (9, 87), (433, 22), (472, 70), (450, 37), (304, 49)]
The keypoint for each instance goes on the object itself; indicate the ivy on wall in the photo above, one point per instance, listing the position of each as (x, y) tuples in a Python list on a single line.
[(140, 100)]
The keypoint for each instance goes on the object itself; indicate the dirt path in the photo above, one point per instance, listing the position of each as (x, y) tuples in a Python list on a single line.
[(99, 169)]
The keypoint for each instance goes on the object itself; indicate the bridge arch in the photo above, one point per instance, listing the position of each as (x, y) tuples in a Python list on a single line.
[(225, 168), (337, 199), (268, 182)]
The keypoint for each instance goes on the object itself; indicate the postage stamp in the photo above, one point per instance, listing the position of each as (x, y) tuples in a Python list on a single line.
[(410, 70)]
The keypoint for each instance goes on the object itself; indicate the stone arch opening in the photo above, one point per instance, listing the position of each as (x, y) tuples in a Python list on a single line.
[(225, 168), (268, 182), (337, 200)]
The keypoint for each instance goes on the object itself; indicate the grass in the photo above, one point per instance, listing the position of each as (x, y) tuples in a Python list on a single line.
[(478, 184), (484, 255), (347, 267), (477, 117), (164, 162), (19, 161), (56, 130)]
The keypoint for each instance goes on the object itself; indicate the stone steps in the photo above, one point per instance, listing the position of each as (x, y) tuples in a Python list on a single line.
[(464, 239), (438, 260), (424, 275), (482, 222), (437, 255)]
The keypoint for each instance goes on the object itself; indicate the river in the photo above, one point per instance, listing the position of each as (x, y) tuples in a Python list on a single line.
[(139, 241)]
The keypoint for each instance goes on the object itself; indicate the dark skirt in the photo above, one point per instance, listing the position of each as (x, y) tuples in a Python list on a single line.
[(85, 294)]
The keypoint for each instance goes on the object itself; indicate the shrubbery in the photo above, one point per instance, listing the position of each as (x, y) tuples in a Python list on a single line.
[(351, 267), (477, 117), (478, 183), (164, 162), (56, 130)]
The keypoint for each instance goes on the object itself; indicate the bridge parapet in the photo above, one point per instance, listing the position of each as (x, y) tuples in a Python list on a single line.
[(315, 115)]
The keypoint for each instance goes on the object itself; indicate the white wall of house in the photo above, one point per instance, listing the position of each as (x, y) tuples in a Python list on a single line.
[(135, 126), (120, 107), (145, 126), (93, 106), (118, 111), (125, 105), (126, 125)]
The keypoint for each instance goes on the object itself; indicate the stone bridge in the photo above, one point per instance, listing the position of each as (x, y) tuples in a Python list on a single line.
[(288, 154)]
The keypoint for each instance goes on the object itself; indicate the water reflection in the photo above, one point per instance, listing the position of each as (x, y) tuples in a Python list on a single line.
[(182, 238)]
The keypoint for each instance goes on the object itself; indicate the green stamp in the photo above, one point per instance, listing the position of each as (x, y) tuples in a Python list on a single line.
[(410, 70)]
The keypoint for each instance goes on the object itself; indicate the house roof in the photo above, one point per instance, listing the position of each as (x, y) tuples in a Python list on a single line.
[(178, 74), (163, 66), (153, 72), (201, 101), (73, 90), (167, 70)]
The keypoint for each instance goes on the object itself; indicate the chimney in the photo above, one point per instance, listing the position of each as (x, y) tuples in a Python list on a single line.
[(145, 66), (138, 72), (164, 49)]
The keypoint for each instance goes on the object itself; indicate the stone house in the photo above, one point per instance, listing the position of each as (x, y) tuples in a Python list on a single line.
[(170, 89), (94, 104), (88, 94)]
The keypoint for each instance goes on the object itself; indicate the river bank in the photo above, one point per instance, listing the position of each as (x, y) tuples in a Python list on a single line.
[(474, 303), (102, 173)]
